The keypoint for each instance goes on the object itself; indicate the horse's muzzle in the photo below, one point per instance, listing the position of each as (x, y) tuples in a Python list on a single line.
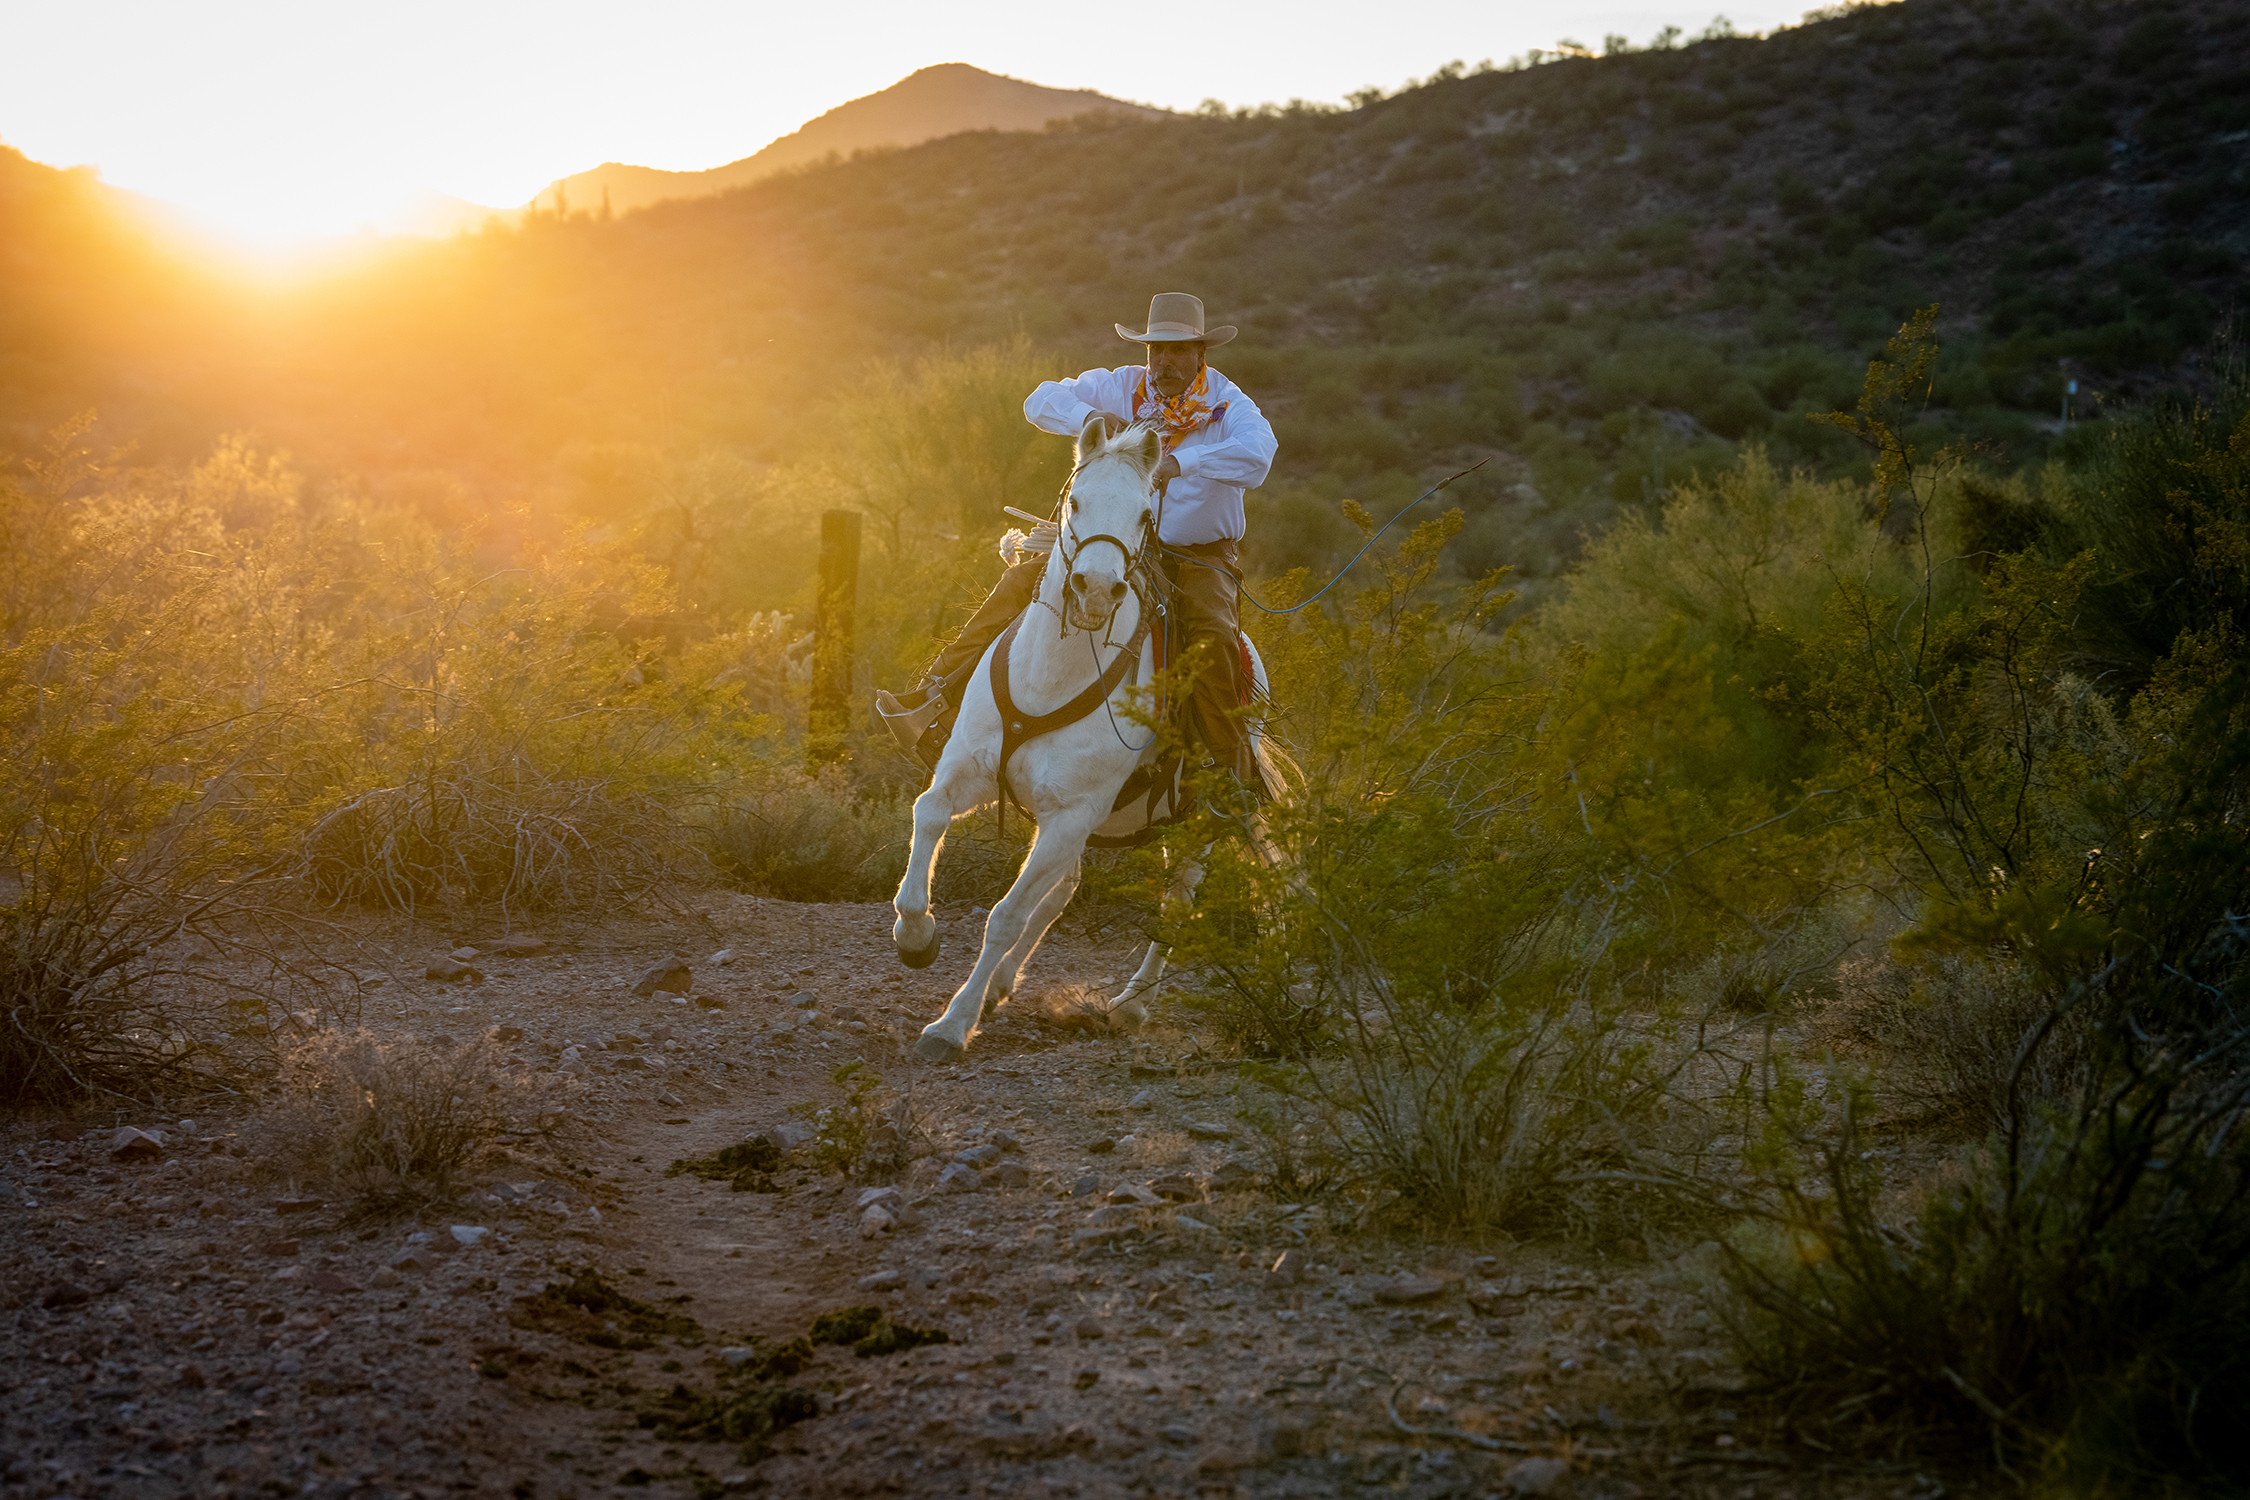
[(1091, 598)]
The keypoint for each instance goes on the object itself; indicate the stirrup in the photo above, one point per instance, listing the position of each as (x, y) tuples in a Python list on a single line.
[(910, 718)]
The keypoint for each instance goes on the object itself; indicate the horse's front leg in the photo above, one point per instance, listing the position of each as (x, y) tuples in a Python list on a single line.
[(1012, 963), (1055, 852), (915, 932)]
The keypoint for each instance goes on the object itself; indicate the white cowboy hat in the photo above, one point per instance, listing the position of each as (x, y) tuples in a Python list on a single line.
[(1175, 317)]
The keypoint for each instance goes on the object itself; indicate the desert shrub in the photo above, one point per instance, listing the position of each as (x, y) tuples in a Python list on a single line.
[(856, 1135), (1953, 1037), (400, 1121), (2075, 1303), (506, 746), (1428, 946), (134, 799), (2073, 1299), (813, 837)]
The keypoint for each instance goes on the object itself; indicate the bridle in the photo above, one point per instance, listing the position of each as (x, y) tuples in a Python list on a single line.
[(1070, 546)]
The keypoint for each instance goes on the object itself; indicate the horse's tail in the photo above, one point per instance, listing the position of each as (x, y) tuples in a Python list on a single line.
[(1277, 770)]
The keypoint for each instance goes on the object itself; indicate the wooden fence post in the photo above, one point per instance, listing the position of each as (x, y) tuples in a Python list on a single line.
[(833, 643)]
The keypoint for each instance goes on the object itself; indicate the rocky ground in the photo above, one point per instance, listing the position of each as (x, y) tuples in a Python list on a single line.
[(1124, 1308)]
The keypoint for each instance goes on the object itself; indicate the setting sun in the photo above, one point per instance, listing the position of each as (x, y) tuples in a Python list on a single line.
[(273, 122)]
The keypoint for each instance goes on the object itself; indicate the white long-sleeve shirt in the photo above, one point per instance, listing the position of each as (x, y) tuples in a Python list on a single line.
[(1217, 462)]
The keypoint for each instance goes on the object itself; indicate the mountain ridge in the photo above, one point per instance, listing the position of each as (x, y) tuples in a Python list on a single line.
[(928, 104)]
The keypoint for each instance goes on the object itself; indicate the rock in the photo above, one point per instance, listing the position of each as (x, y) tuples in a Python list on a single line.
[(721, 959), (1086, 1186), (709, 1002), (1102, 1147), (1138, 1197), (333, 1284), (211, 1208), (464, 955), (805, 1000), (1209, 1130), (633, 1062), (1085, 1380), (1099, 1234), (384, 1279), (289, 1206), (63, 1294), (1535, 1476), (1180, 1187), (507, 1036), (515, 944), (979, 1157), (1125, 1143), (1141, 1103), (191, 1378), (1408, 1290), (129, 1144), (1487, 1302), (1011, 1174), (959, 1178), (735, 1356), (880, 1281), (410, 1260), (786, 1136), (451, 971), (1114, 1213), (1287, 1270), (1176, 1433), (62, 1130), (468, 1236), (1232, 1173), (671, 975), (279, 1247), (875, 1219), (869, 1197)]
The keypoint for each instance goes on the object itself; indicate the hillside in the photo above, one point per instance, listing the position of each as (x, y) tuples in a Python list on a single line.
[(931, 102), (1605, 271)]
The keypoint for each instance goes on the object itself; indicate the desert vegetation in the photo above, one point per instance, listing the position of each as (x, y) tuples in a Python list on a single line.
[(1794, 798)]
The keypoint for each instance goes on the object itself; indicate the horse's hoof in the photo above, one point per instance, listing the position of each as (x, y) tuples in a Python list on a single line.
[(922, 958), (933, 1048)]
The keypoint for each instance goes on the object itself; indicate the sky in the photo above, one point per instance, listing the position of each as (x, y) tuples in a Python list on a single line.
[(274, 120)]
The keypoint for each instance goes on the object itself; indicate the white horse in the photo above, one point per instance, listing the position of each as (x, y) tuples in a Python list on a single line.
[(1084, 629)]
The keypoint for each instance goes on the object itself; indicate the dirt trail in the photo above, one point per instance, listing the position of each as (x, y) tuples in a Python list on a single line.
[(1094, 1348)]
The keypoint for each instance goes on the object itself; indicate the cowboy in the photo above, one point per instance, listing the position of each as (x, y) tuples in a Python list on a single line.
[(1217, 444)]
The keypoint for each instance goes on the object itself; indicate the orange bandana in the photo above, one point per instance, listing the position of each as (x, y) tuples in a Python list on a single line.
[(1184, 414)]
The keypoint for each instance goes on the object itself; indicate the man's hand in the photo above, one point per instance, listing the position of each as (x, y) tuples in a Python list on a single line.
[(1112, 426), (1168, 469)]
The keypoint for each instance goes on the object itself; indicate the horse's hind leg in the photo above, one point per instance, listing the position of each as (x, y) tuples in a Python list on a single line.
[(1055, 853), (915, 932), (1129, 1011), (1012, 964)]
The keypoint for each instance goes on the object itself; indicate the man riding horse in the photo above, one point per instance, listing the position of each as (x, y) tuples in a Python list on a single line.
[(1217, 444)]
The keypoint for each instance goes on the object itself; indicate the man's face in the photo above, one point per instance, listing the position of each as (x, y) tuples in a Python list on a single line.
[(1172, 368)]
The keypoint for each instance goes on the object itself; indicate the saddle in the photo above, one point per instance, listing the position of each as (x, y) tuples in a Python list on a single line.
[(1152, 797)]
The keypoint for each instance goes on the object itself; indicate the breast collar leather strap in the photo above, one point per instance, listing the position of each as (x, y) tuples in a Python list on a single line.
[(1017, 727)]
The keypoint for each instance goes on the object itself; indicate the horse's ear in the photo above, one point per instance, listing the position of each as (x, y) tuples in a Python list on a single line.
[(1149, 452), (1090, 438)]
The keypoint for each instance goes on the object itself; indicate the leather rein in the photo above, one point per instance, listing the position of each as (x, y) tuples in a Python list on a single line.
[(1018, 728)]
